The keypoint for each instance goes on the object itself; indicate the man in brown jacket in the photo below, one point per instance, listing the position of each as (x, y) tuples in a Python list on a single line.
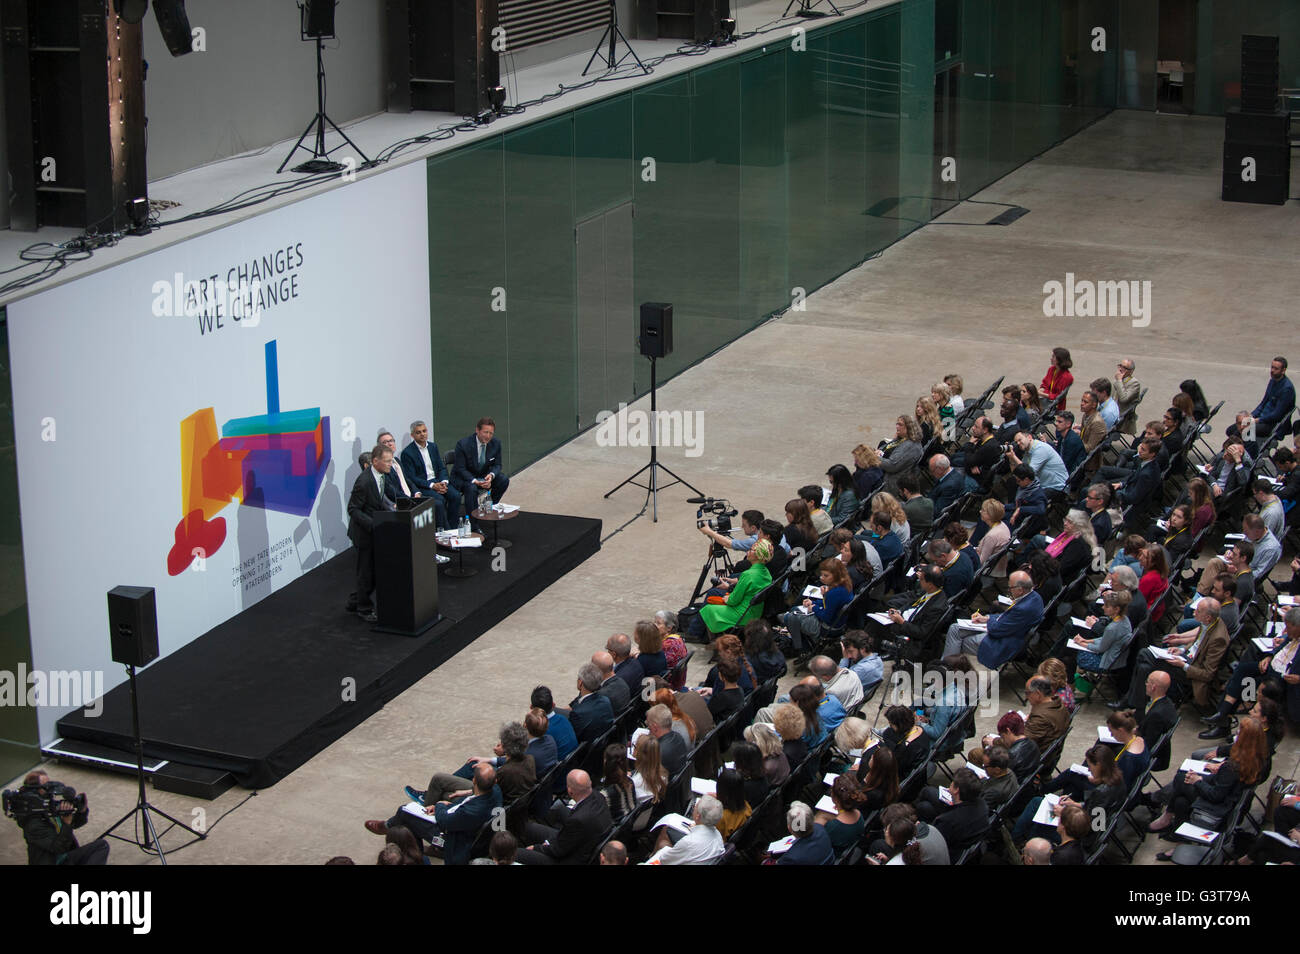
[(1048, 718), (1196, 666), (1126, 390)]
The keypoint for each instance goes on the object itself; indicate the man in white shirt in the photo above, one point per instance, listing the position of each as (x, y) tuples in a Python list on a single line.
[(425, 471), (386, 438), (702, 844)]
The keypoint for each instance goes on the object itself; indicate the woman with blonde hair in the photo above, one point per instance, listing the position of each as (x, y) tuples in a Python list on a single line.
[(996, 538), (1053, 669), (904, 451), (789, 722), (941, 395), (650, 780), (650, 648), (886, 503), (776, 767), (867, 475), (955, 386), (927, 415)]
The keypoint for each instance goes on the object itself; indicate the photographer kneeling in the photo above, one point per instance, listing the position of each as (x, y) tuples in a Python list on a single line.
[(47, 812)]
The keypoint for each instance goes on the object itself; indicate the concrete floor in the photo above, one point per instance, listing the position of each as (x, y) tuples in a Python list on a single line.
[(1136, 196)]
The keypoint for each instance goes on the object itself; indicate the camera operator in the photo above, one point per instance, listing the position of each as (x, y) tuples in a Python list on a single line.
[(749, 524), (47, 812)]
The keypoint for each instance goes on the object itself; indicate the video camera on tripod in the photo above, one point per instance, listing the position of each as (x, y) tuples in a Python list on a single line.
[(720, 508)]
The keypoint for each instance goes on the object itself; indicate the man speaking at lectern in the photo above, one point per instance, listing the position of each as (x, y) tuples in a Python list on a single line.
[(477, 466), (375, 491)]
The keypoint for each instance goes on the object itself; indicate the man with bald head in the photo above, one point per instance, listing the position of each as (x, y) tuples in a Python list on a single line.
[(1038, 851), (581, 827), (1001, 636), (611, 686), (626, 666), (1193, 666), (837, 682)]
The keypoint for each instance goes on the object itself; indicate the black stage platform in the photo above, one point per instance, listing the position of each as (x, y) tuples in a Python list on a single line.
[(262, 693)]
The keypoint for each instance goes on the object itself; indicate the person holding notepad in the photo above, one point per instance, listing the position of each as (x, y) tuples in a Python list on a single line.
[(1209, 798), (1107, 640)]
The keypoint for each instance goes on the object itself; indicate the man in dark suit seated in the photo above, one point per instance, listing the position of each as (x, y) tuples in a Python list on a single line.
[(954, 564), (626, 666), (373, 492), (1096, 501), (591, 714), (611, 687), (812, 846), (673, 751), (425, 471), (477, 465), (968, 819), (581, 827), (927, 609), (1068, 444), (949, 483), (1157, 717), (455, 822), (1141, 489)]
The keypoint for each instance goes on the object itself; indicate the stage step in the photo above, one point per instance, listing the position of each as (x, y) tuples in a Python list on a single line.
[(191, 780), (98, 756)]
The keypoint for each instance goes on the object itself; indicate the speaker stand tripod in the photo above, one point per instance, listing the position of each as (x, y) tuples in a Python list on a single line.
[(653, 487), (806, 9), (320, 160), (143, 809), (612, 35)]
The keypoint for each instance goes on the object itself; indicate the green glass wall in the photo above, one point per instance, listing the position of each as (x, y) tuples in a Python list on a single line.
[(19, 738), (746, 182), (1220, 25)]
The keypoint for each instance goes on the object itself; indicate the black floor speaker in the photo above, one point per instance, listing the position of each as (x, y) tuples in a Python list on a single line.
[(656, 338), (133, 625)]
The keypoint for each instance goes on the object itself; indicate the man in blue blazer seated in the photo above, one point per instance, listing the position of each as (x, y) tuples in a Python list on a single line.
[(426, 473), (558, 726), (812, 846), (1005, 632), (454, 823), (477, 465)]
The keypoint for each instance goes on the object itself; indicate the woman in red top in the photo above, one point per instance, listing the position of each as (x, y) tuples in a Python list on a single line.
[(1058, 378), (1155, 577)]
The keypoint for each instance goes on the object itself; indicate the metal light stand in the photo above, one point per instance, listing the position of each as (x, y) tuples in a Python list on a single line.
[(806, 9), (653, 487), (612, 35), (142, 806), (319, 161)]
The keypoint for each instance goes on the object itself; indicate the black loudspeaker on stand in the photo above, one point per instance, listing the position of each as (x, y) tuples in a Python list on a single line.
[(318, 24), (133, 627), (656, 341)]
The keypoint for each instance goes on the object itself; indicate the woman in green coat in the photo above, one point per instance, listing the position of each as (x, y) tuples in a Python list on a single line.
[(737, 610)]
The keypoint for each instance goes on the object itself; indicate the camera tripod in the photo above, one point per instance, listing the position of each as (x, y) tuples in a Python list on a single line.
[(718, 563), (142, 807)]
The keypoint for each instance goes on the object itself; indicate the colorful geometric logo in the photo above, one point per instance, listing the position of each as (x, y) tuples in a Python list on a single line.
[(274, 461)]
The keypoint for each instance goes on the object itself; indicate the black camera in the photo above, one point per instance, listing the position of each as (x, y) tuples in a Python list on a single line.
[(32, 801), (894, 648), (722, 513)]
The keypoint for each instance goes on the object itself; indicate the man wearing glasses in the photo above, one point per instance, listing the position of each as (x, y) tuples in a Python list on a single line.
[(1126, 390), (1097, 502)]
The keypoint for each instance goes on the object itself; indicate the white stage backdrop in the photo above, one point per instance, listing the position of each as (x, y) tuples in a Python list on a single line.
[(191, 420)]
